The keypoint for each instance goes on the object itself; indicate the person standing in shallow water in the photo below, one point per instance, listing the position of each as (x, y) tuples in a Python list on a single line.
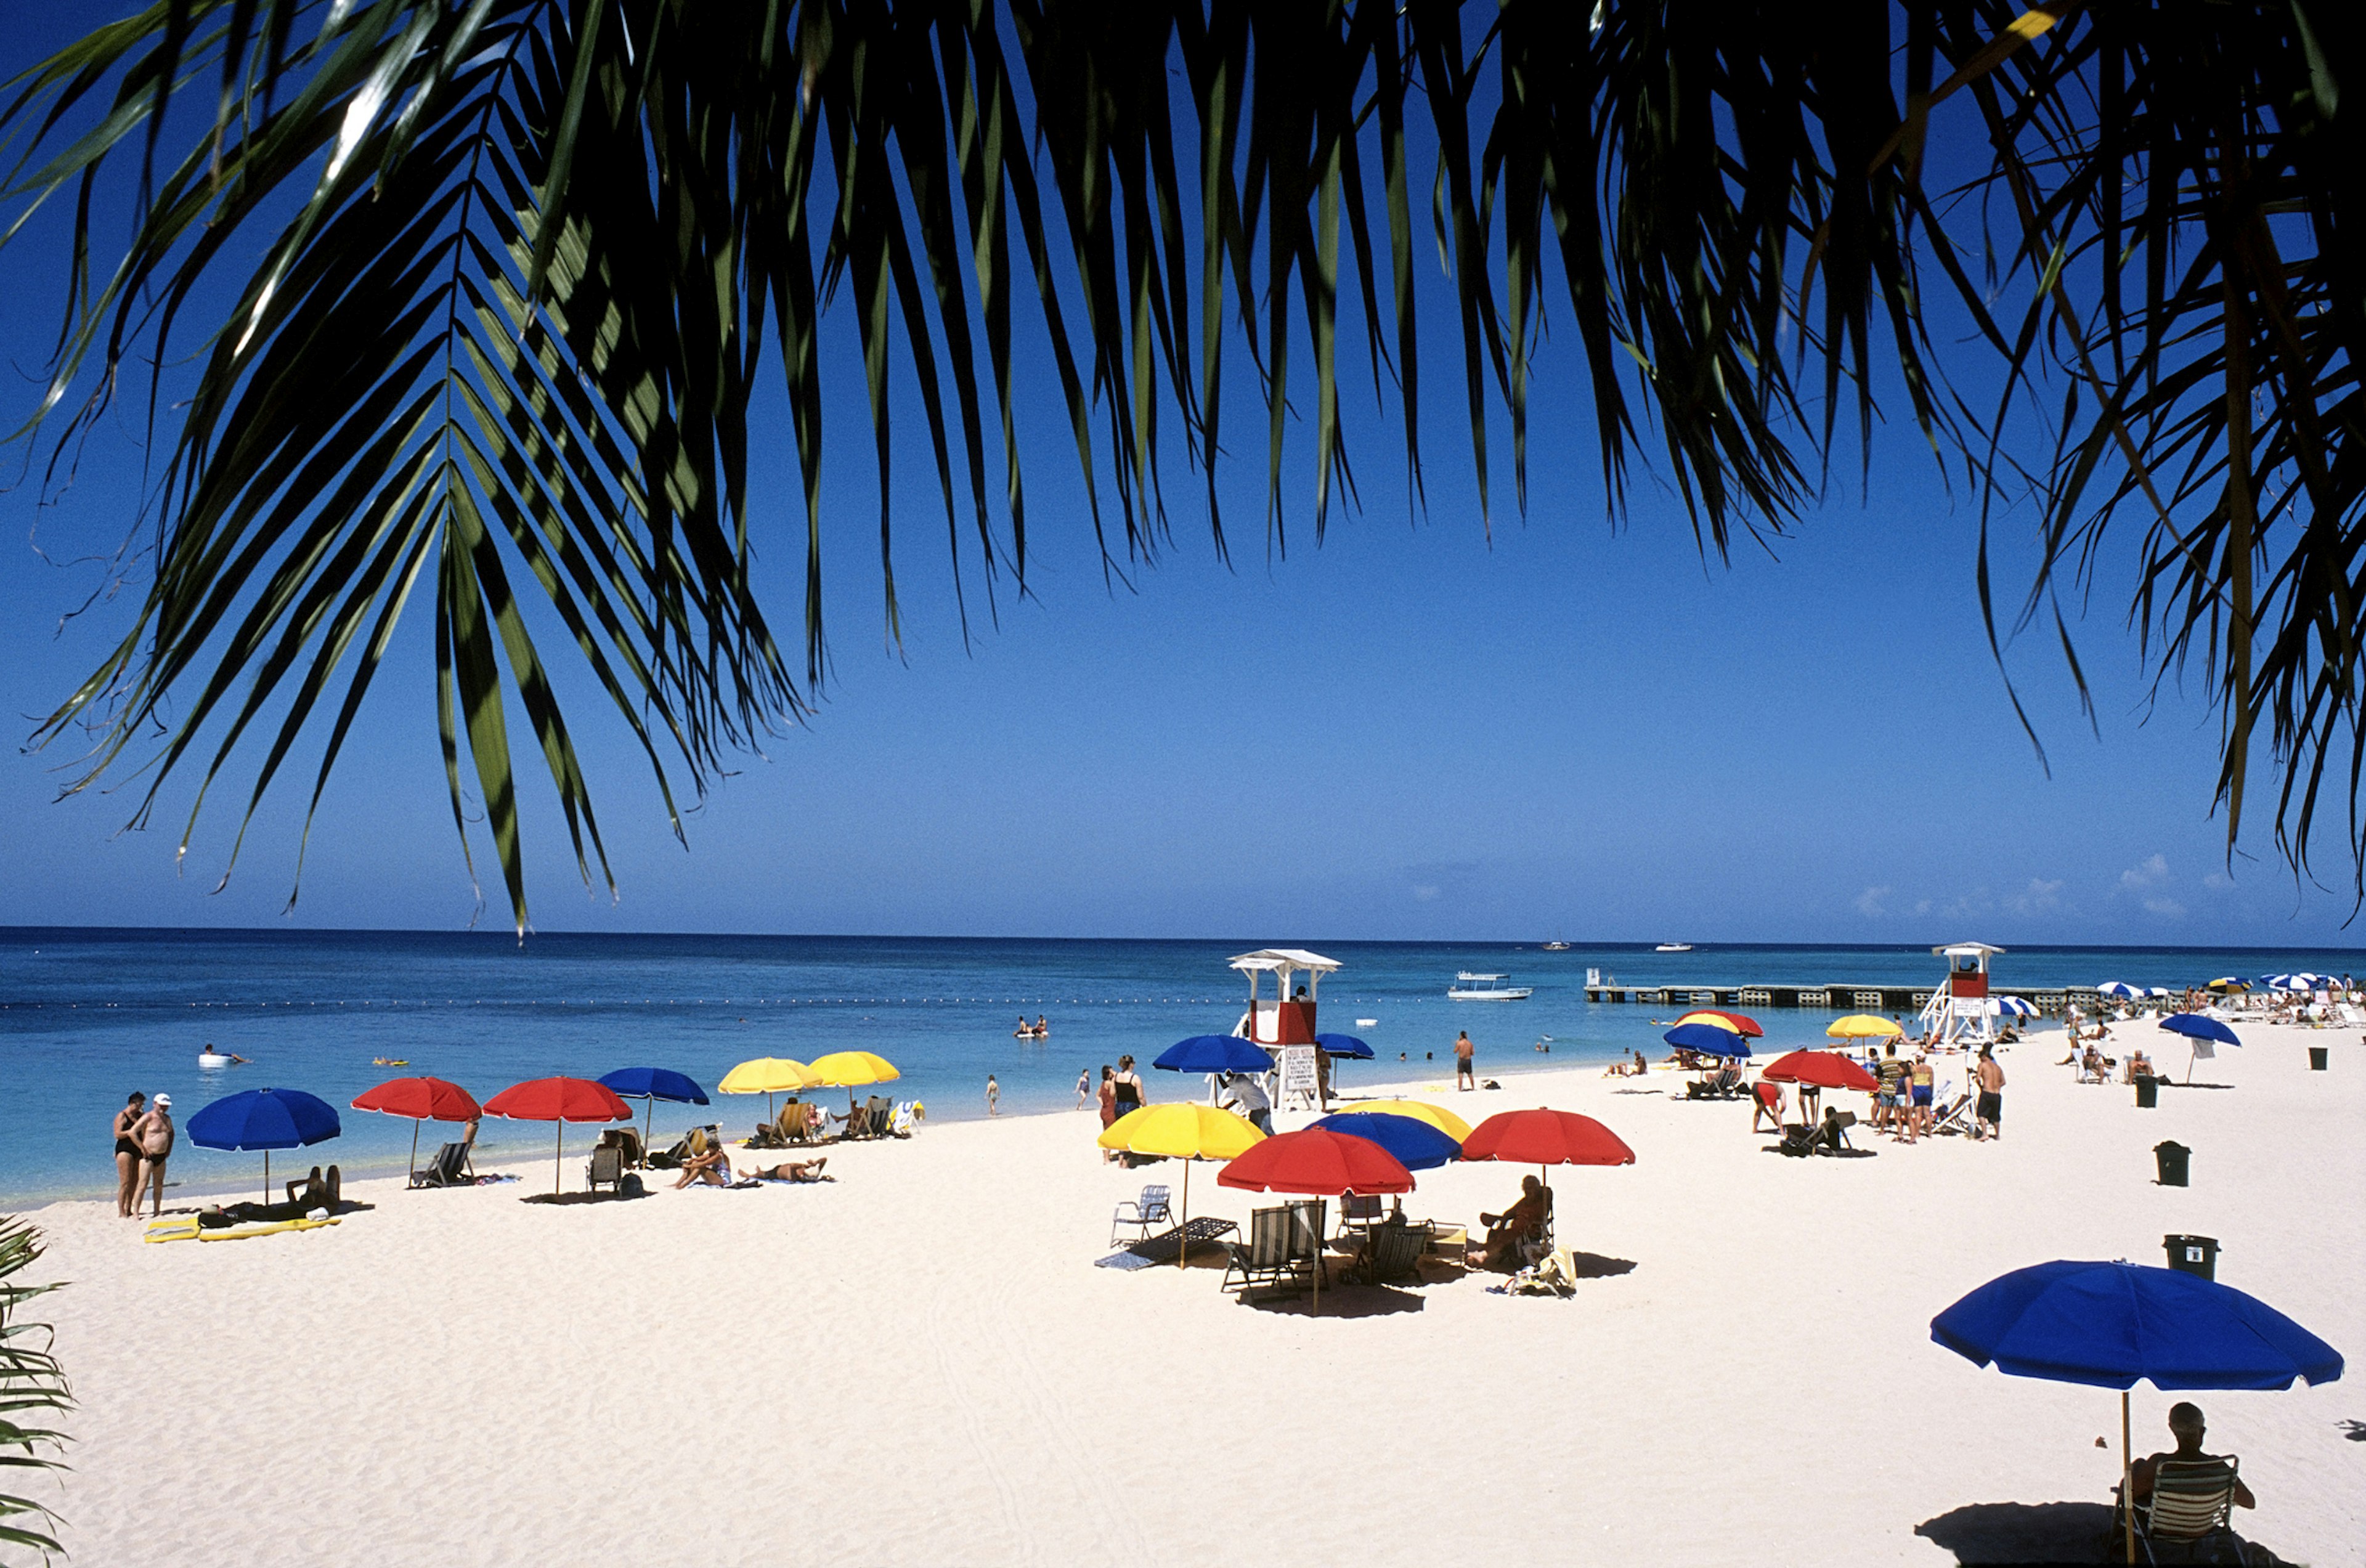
[(1463, 1052), (127, 1153), (1084, 1086), (992, 1096)]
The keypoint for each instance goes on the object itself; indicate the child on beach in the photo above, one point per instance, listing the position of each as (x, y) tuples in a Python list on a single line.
[(1084, 1086)]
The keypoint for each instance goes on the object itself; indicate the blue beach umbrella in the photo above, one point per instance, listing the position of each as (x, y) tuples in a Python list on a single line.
[(1344, 1045), (1706, 1039), (2016, 1007), (2111, 1325), (264, 1119), (2120, 989), (1416, 1144), (651, 1085), (2199, 1028), (1215, 1054)]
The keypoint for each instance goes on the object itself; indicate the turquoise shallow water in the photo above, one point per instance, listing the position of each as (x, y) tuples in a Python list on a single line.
[(88, 1015)]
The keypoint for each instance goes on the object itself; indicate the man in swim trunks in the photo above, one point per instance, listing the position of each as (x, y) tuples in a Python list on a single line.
[(797, 1171), (1463, 1052), (1989, 1110), (127, 1153), (154, 1134)]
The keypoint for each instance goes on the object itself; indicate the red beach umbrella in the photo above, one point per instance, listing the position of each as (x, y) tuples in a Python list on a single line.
[(422, 1099), (1542, 1137), (1819, 1069), (1320, 1163), (561, 1100), (1741, 1024)]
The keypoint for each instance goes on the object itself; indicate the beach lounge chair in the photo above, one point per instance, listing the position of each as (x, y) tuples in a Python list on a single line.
[(450, 1168), (1142, 1212), (1360, 1208), (608, 1166), (1267, 1256), (882, 1116), (1306, 1215), (1955, 1117), (1391, 1251), (2187, 1510)]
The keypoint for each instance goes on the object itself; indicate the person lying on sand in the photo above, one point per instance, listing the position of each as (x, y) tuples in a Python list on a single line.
[(1524, 1222), (712, 1168), (796, 1170)]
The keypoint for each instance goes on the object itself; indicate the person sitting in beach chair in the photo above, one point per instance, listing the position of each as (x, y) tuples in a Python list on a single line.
[(1520, 1234), (796, 1170), (2095, 1067), (2185, 1497), (2139, 1067)]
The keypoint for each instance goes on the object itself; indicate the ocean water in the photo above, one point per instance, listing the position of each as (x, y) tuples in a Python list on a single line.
[(87, 1015)]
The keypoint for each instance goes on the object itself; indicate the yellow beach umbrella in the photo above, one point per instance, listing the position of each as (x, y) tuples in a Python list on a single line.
[(849, 1070), (1437, 1116), (768, 1076), (1185, 1131), (1863, 1026)]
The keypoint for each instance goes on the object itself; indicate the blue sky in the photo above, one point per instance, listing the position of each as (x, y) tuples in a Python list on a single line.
[(1414, 731)]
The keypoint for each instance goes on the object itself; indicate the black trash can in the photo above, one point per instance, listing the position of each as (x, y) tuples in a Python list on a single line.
[(2147, 1091), (2171, 1157), (2316, 1055), (2193, 1254)]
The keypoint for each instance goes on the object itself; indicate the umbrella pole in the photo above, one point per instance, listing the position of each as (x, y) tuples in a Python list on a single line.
[(1183, 1243), (557, 1156), (414, 1149), (2127, 1481), (648, 1111), (266, 1175)]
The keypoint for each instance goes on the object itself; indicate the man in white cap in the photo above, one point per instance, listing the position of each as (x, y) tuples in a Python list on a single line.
[(154, 1135)]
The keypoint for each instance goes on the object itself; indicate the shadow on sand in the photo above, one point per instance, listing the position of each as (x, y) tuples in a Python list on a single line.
[(1593, 1266), (1342, 1302), (568, 1198), (2022, 1532)]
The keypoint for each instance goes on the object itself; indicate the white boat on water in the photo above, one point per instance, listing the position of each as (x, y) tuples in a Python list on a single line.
[(1471, 987), (1673, 947)]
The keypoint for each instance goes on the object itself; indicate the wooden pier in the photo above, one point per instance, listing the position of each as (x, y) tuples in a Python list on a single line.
[(1834, 996)]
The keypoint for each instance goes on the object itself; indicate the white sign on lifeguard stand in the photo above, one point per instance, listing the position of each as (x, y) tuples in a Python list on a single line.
[(1961, 1011)]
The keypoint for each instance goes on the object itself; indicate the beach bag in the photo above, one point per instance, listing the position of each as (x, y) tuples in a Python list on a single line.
[(630, 1186)]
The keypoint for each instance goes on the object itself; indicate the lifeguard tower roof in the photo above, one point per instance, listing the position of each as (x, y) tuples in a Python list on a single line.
[(1266, 959), (1965, 950)]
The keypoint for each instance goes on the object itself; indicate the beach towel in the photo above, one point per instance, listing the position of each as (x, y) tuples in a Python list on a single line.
[(185, 1228)]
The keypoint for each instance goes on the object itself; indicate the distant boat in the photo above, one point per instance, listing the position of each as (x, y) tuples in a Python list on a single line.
[(1366, 1022), (1471, 987), (1673, 947), (1556, 946)]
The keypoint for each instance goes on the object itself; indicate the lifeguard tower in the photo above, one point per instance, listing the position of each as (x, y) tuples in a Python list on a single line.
[(1286, 1024), (1961, 1012)]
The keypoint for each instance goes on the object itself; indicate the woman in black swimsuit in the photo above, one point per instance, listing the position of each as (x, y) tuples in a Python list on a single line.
[(127, 1152)]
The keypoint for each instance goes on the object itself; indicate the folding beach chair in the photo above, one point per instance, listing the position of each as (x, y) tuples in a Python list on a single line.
[(1142, 1212), (608, 1166), (2189, 1509), (1393, 1251), (450, 1167), (1956, 1117), (1265, 1258), (1360, 1208)]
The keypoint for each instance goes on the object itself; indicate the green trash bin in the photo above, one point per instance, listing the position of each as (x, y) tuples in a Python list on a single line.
[(2316, 1056), (2147, 1091), (2171, 1157)]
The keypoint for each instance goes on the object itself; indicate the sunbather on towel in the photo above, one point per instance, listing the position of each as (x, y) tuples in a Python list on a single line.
[(713, 1168), (796, 1170), (1523, 1222)]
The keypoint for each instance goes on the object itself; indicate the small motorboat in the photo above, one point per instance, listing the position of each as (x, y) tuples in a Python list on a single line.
[(1474, 988), (1673, 947)]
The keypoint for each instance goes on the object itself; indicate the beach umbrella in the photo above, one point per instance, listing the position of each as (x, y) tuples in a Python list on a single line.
[(851, 1071), (1819, 1069), (2016, 1007), (1437, 1116), (651, 1085), (1416, 1144), (560, 1100), (2158, 991), (1862, 1026), (422, 1099), (767, 1076), (1542, 1138), (1708, 1039), (1344, 1045), (1187, 1131), (2118, 988), (264, 1119), (1740, 1024), (2201, 1030), (1318, 1163), (1214, 1054), (2111, 1325), (2228, 982)]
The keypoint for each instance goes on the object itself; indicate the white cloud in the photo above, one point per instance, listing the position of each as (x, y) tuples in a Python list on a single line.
[(2150, 871), (2037, 897), (2168, 909), (1426, 891), (1921, 905), (1868, 903), (2217, 882)]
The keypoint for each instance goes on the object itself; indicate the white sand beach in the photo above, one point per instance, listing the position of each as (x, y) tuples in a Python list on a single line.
[(919, 1363)]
